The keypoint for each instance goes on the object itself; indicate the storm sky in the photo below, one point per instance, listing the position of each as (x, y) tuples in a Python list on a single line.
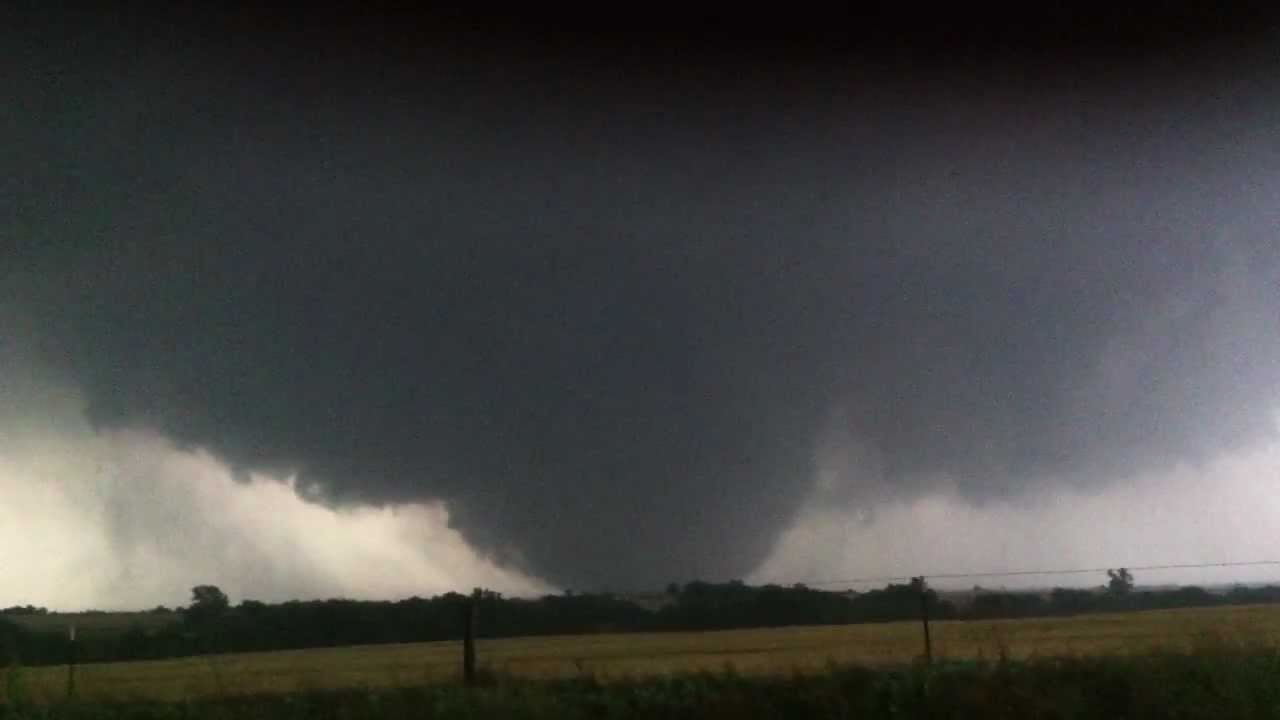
[(325, 311)]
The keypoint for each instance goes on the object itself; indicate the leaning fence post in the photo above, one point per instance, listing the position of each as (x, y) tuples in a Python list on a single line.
[(469, 610), (924, 620), (71, 661)]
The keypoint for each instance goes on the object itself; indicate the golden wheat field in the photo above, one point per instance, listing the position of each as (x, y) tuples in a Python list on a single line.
[(772, 650)]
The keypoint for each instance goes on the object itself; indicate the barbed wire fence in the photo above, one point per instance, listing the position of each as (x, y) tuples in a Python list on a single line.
[(921, 582), (928, 588)]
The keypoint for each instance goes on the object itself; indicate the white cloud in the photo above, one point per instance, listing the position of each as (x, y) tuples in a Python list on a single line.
[(124, 519), (1227, 510)]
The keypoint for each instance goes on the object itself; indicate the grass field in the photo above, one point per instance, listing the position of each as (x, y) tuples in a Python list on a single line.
[(765, 651)]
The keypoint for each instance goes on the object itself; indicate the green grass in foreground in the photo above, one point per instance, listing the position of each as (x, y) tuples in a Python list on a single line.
[(1227, 682)]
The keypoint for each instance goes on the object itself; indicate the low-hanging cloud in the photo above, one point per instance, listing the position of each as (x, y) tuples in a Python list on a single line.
[(122, 519), (1221, 511), (608, 321)]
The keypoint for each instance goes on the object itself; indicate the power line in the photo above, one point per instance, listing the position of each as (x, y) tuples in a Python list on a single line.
[(884, 579), (1021, 573)]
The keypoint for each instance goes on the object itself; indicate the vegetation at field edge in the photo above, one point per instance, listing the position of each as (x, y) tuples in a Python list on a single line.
[(211, 624), (1218, 682), (766, 651)]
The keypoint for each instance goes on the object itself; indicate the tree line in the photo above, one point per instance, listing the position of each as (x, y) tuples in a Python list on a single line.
[(211, 624)]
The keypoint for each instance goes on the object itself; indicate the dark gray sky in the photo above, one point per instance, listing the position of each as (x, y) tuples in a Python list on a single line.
[(626, 315)]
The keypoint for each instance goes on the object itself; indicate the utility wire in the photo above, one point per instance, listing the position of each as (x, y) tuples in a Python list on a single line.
[(1020, 573), (885, 579)]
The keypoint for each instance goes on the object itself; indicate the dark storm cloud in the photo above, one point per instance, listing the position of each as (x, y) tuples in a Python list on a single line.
[(606, 316)]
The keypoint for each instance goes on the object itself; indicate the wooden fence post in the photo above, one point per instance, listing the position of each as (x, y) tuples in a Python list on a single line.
[(924, 620), (469, 638), (71, 661)]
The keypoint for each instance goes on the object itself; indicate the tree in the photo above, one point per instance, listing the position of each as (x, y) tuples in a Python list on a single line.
[(24, 610), (207, 603), (12, 638), (1121, 582)]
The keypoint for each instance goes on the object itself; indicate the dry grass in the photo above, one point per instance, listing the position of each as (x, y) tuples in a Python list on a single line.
[(773, 650)]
